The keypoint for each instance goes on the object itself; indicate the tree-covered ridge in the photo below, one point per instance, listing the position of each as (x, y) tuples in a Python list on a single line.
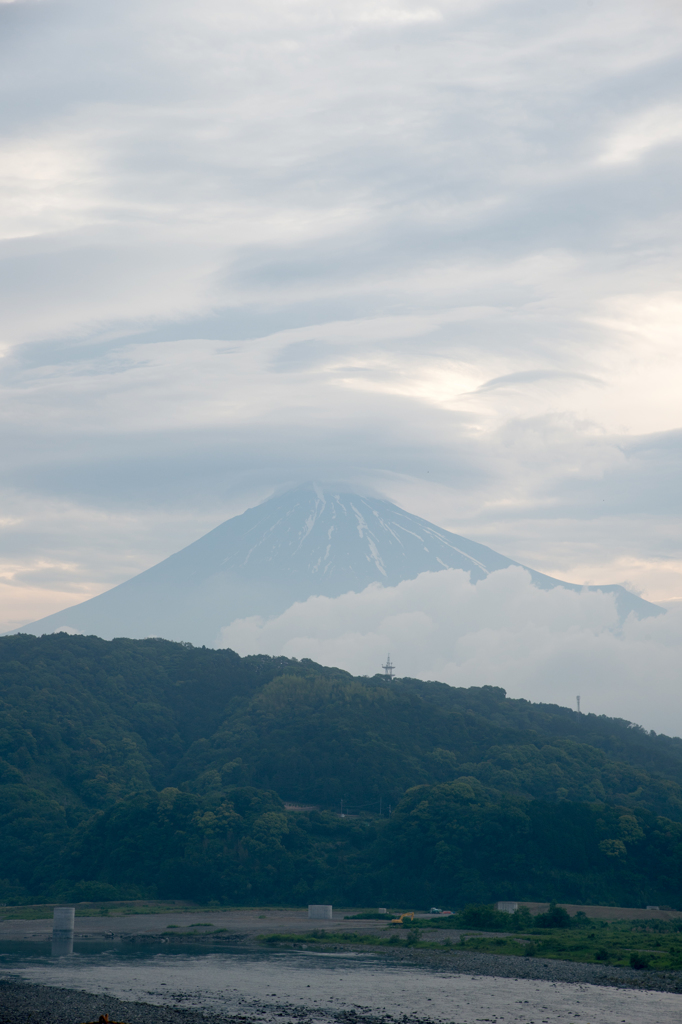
[(466, 841), (150, 767), (327, 740)]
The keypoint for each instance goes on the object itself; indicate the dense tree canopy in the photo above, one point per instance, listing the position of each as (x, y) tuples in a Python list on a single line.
[(144, 767)]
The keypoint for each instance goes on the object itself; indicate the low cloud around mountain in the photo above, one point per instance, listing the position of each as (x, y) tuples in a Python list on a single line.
[(306, 542), (542, 645)]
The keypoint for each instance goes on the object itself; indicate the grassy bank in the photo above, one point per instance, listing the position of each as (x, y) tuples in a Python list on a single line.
[(116, 909), (621, 944), (122, 908)]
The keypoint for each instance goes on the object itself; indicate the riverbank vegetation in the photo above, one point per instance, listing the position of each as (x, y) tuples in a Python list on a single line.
[(655, 945)]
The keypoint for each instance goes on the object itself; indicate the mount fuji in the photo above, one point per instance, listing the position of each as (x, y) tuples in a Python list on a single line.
[(308, 541)]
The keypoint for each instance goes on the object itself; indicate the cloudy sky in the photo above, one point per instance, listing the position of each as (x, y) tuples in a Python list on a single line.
[(429, 248)]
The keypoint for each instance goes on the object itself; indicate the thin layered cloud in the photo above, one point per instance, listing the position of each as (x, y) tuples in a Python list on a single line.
[(428, 248)]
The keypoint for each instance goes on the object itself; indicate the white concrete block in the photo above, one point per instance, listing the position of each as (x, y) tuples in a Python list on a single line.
[(63, 920), (506, 906), (320, 910)]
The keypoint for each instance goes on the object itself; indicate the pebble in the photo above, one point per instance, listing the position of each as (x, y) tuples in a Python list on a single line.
[(24, 1003), (537, 968)]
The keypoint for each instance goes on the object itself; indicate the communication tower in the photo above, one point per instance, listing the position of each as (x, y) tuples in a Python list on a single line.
[(389, 668), (577, 700)]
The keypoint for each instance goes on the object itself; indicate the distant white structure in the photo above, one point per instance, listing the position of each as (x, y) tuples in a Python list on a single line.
[(389, 667), (506, 907), (382, 910), (320, 910), (63, 921)]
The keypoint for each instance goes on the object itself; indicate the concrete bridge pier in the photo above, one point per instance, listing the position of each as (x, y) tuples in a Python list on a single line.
[(63, 921)]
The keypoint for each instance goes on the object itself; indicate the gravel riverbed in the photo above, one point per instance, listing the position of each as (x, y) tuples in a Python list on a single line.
[(158, 986), (463, 962), (23, 1003), (539, 969)]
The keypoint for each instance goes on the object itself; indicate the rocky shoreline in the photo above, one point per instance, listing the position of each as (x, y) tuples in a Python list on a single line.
[(539, 969), (25, 1003)]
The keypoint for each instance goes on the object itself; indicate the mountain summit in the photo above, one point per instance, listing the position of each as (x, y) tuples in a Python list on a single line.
[(308, 541)]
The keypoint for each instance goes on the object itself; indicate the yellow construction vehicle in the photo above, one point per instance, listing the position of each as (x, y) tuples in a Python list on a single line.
[(399, 920)]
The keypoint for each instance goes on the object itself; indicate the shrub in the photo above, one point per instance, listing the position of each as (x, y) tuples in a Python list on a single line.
[(639, 962), (522, 919), (555, 917), (478, 915)]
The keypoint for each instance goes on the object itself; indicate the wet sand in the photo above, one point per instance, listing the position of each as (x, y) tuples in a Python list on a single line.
[(290, 988), (242, 928)]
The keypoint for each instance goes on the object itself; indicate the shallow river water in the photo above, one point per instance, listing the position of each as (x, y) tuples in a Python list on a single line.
[(255, 982)]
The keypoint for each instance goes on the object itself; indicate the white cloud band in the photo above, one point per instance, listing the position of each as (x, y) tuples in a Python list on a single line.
[(547, 646)]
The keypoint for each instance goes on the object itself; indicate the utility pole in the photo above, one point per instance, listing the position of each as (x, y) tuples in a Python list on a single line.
[(577, 700)]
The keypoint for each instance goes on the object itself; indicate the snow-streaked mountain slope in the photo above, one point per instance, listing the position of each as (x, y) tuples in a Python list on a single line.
[(308, 541)]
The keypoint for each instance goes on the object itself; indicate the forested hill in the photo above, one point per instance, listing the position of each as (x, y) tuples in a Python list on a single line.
[(151, 767)]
